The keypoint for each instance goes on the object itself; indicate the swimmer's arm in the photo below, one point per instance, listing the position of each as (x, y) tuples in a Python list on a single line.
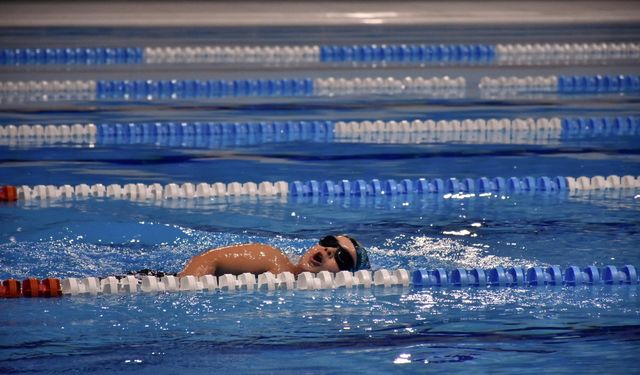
[(254, 258)]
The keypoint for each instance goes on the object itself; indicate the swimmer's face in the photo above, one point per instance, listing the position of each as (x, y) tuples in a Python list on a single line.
[(323, 258)]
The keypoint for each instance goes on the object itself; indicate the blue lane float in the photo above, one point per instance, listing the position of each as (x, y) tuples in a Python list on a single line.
[(454, 188), (194, 88), (211, 128), (521, 277), (417, 53), (429, 186), (600, 125), (598, 83), (71, 56)]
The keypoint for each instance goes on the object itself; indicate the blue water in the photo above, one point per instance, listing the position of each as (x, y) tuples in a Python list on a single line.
[(591, 329)]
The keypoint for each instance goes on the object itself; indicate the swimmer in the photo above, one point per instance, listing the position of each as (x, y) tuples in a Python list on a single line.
[(332, 253)]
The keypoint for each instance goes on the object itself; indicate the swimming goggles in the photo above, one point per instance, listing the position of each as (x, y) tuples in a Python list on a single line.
[(342, 256)]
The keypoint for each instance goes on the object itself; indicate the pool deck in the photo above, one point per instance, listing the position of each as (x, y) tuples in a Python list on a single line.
[(283, 13)]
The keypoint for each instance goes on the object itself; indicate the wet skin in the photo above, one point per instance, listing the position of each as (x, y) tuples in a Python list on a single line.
[(257, 258)]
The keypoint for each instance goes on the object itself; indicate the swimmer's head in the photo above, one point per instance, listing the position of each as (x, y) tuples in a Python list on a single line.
[(334, 254)]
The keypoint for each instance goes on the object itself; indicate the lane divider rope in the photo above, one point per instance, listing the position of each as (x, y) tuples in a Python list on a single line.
[(501, 54), (179, 89), (159, 131), (437, 87), (390, 187), (510, 136), (458, 277)]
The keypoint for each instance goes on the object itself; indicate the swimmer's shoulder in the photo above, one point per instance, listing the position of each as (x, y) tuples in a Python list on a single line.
[(249, 247)]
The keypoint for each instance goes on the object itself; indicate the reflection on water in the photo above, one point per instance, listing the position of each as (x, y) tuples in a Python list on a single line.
[(427, 252)]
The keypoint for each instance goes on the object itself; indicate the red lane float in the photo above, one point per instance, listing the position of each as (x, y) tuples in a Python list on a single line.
[(31, 287), (8, 193), (11, 288), (50, 287)]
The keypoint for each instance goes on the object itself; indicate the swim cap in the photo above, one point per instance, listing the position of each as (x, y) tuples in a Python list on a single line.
[(362, 256)]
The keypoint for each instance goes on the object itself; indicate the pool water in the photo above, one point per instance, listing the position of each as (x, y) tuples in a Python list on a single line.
[(561, 329)]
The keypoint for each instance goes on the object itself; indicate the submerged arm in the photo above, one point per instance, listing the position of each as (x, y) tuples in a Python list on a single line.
[(254, 258)]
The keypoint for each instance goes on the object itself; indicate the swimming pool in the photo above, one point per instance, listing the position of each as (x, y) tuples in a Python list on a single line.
[(188, 116)]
